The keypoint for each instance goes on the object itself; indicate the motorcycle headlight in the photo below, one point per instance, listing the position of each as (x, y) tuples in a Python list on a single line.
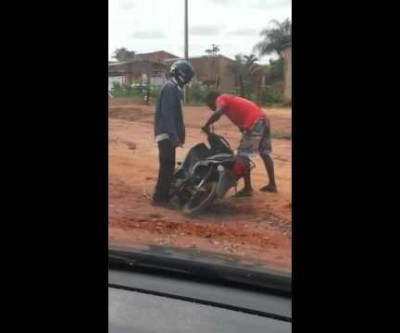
[(220, 168)]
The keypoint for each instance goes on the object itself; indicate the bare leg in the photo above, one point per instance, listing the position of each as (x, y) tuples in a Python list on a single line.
[(269, 166), (247, 181)]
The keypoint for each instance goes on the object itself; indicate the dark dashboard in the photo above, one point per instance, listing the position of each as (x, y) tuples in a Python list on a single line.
[(153, 300)]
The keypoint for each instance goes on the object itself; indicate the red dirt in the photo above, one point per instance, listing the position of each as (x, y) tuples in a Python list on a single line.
[(254, 228)]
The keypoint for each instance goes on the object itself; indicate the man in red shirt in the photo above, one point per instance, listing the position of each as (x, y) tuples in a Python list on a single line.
[(255, 128)]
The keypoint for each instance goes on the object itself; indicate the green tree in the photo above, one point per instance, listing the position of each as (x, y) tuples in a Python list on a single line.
[(244, 67), (213, 51), (274, 71), (212, 67), (123, 54), (274, 38)]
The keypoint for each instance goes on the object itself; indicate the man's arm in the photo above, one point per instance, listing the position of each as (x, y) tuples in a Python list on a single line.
[(214, 117)]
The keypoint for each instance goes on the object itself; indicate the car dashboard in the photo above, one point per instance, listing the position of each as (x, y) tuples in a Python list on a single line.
[(146, 302)]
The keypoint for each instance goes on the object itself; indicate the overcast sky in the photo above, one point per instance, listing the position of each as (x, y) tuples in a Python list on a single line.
[(152, 25)]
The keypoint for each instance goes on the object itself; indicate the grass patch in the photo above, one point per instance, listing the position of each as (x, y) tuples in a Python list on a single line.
[(283, 135), (277, 105), (134, 99), (195, 104)]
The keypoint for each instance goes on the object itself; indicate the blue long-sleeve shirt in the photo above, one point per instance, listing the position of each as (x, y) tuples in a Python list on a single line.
[(168, 118)]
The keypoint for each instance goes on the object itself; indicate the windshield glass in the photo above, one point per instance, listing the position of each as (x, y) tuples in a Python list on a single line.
[(203, 167)]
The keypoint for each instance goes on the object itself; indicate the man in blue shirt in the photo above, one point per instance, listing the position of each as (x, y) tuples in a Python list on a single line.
[(169, 129)]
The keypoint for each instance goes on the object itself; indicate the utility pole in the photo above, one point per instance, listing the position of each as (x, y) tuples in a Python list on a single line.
[(185, 92)]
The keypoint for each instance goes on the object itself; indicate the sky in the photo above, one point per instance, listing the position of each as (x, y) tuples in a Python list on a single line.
[(153, 25)]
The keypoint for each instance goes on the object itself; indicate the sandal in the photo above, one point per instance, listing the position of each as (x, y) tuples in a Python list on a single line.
[(243, 193)]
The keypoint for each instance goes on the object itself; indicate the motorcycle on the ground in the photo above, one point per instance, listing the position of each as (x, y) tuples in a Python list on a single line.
[(207, 174)]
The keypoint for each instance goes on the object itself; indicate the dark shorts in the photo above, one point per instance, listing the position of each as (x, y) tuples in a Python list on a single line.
[(256, 141)]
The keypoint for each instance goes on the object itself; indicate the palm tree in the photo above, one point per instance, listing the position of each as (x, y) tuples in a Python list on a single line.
[(250, 64), (123, 54), (238, 70), (244, 68), (275, 38), (213, 68), (212, 52)]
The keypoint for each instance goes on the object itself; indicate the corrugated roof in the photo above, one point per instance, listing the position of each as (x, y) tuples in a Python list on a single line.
[(156, 52), (119, 63), (198, 57)]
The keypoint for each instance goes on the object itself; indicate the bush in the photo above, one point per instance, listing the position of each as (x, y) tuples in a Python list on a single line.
[(126, 91), (274, 96), (123, 90), (155, 92), (197, 93), (116, 85), (275, 72), (253, 97)]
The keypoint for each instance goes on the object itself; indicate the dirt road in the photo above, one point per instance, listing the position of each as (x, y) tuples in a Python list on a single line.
[(254, 228)]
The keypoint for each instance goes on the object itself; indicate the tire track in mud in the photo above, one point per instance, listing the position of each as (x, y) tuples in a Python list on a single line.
[(224, 220), (215, 233), (231, 210)]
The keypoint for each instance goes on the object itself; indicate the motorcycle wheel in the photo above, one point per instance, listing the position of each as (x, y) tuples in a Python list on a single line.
[(202, 199)]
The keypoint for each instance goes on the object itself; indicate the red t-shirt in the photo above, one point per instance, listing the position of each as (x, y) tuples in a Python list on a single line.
[(242, 112)]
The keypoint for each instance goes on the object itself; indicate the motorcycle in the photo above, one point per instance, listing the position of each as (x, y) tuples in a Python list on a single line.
[(207, 174)]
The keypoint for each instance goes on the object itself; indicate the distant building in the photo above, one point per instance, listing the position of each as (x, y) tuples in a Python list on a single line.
[(216, 71), (211, 71), (137, 71), (159, 56)]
